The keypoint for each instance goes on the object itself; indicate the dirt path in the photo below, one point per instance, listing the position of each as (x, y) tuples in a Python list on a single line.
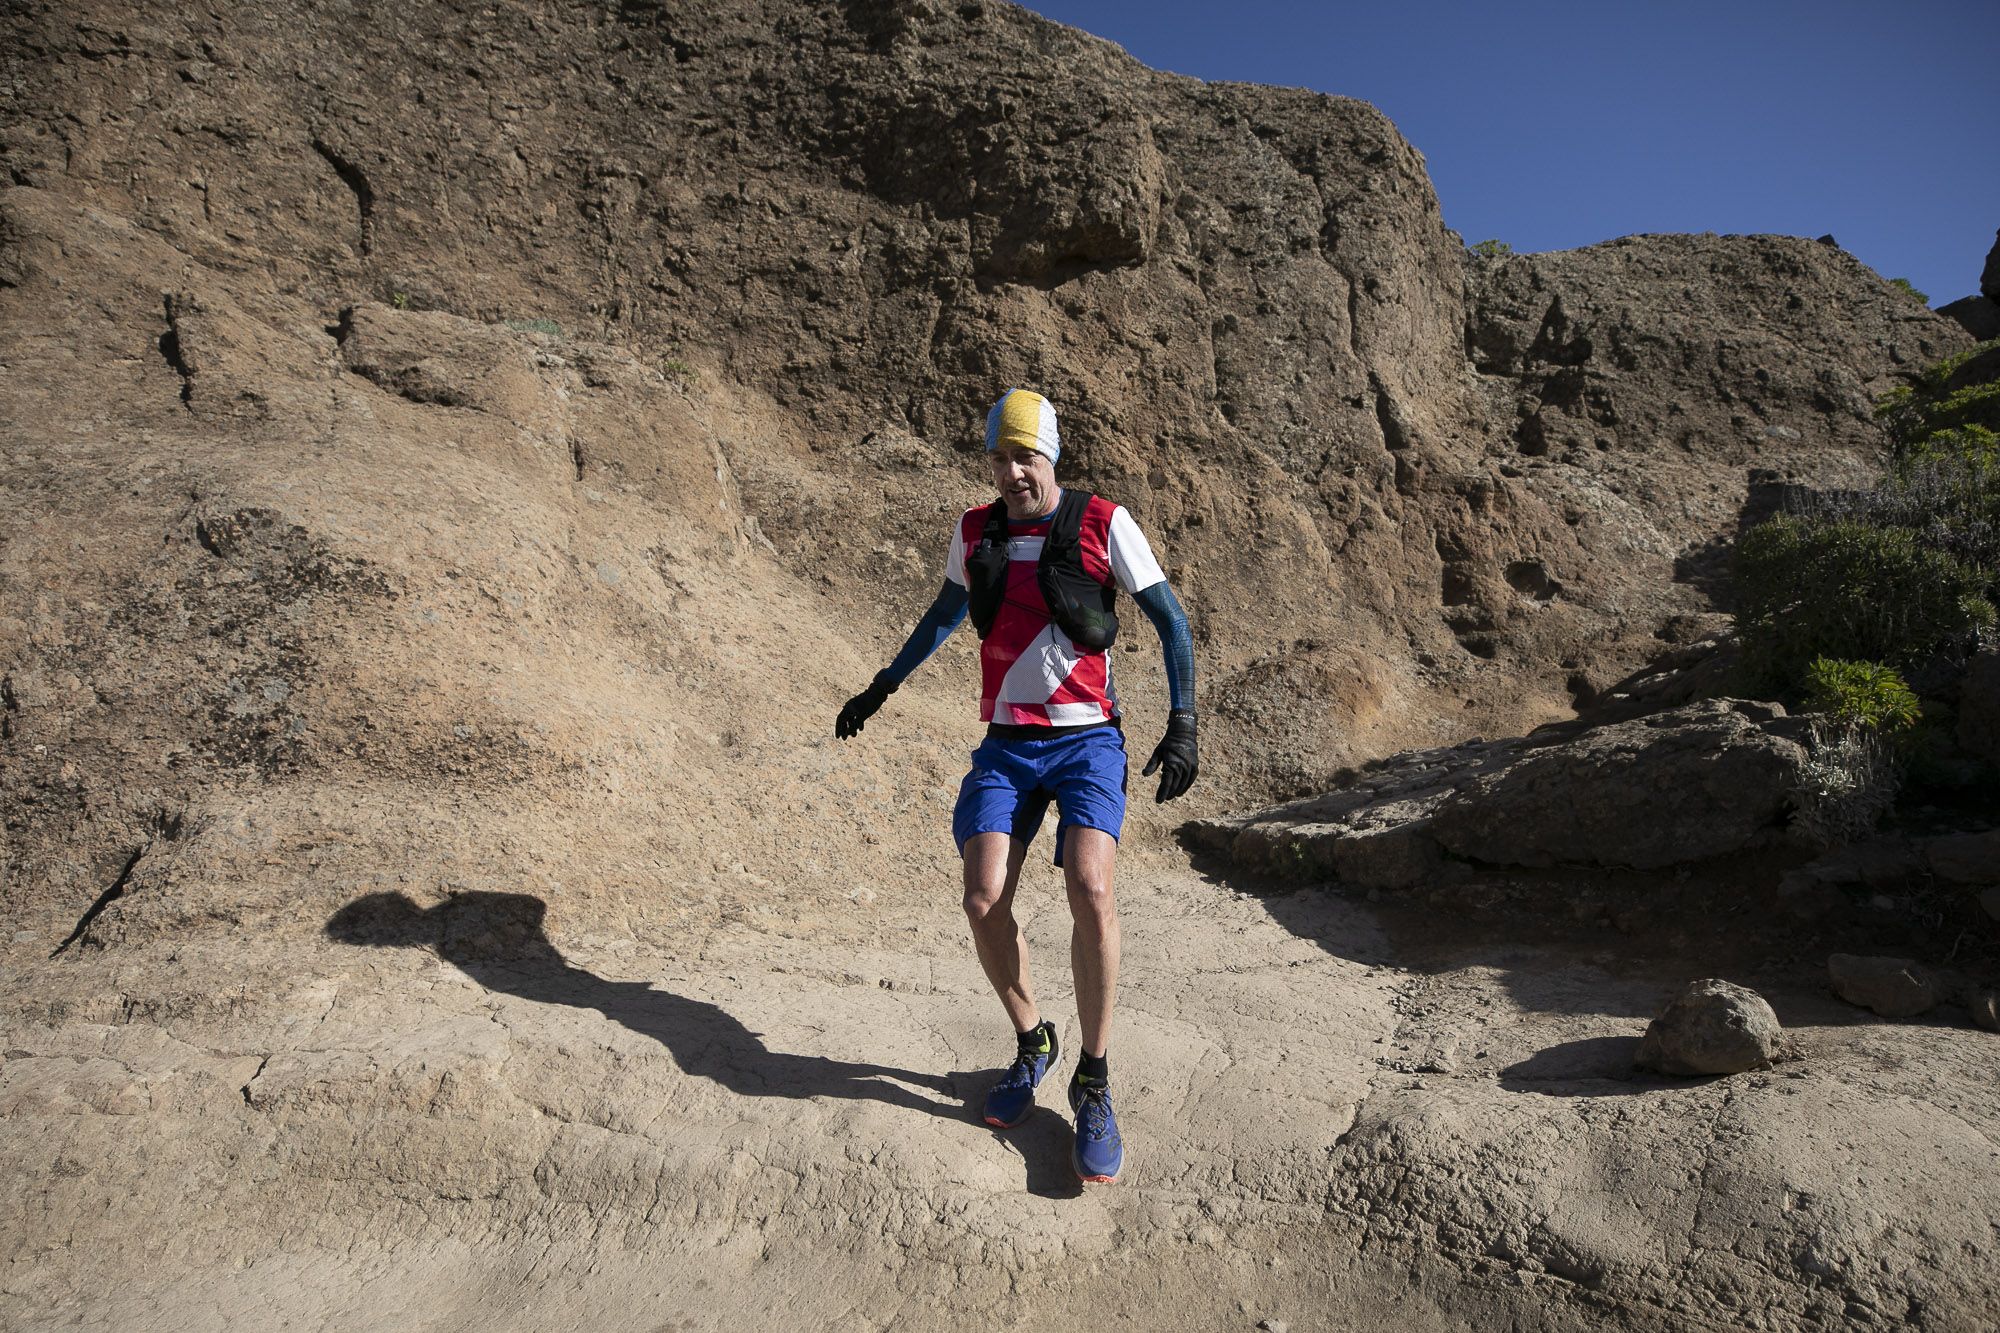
[(1328, 1126)]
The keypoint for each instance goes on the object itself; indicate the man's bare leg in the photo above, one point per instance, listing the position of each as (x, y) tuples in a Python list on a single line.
[(1094, 938), (992, 873)]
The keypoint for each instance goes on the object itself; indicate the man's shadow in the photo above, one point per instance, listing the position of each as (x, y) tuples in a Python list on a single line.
[(497, 939)]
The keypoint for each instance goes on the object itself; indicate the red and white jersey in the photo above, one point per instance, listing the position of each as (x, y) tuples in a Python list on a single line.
[(1031, 674)]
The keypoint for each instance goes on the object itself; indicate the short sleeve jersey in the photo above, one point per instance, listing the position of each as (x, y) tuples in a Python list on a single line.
[(1031, 673)]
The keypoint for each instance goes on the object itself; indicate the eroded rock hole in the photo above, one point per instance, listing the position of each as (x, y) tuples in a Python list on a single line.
[(1530, 579)]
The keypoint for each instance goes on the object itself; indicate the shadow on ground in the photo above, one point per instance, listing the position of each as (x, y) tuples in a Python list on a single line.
[(1589, 957), (498, 940)]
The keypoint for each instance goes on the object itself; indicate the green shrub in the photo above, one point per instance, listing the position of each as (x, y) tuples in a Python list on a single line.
[(1909, 288), (1810, 588), (1944, 399), (1861, 694), (1491, 249)]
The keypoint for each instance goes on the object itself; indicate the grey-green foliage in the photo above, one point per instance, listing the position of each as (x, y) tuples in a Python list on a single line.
[(548, 328)]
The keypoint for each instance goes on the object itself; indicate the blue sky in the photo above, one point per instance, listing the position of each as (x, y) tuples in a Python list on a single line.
[(1557, 124)]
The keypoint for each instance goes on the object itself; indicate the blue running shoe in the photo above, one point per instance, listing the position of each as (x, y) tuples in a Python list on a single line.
[(1014, 1095), (1099, 1151)]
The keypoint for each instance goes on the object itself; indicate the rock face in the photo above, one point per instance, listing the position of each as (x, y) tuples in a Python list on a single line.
[(1711, 1027), (1677, 786), (1892, 987), (1977, 315), (1980, 315)]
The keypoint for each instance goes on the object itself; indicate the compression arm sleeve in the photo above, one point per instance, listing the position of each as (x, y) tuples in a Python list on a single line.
[(1164, 610), (936, 626)]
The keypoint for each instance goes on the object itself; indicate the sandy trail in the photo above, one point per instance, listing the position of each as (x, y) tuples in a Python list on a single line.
[(1332, 1121)]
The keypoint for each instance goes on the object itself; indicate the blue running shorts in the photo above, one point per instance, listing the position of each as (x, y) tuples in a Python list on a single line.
[(1013, 781)]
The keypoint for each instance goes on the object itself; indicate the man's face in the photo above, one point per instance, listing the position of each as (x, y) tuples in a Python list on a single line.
[(1025, 479)]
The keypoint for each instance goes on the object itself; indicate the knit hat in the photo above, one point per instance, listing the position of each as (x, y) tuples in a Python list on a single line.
[(1024, 417)]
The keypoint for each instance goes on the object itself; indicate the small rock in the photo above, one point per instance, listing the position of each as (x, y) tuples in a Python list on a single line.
[(1892, 987), (1983, 1002), (1711, 1027), (1274, 1326)]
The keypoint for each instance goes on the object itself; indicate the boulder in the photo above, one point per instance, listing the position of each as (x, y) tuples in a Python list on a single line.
[(1965, 858), (1989, 277), (1711, 1027), (1892, 987), (1678, 786)]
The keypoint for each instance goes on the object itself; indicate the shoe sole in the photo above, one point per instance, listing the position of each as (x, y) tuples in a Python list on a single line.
[(1111, 1179), (1008, 1124)]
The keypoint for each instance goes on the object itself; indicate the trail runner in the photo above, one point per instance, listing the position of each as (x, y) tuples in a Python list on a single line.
[(1038, 571)]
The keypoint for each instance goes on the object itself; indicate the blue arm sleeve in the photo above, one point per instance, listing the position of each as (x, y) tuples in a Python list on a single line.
[(1164, 610), (936, 626)]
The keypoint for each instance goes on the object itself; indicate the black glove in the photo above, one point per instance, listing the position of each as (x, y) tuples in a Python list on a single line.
[(863, 705), (1174, 757)]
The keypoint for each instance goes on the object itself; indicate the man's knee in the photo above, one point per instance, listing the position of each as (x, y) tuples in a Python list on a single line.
[(985, 904), (1091, 892), (989, 868)]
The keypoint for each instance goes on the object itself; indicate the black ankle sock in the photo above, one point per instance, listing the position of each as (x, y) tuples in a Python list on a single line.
[(1038, 1038), (1096, 1068)]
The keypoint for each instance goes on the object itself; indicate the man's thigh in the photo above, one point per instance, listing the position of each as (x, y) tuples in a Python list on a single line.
[(1088, 859), (1001, 794), (1089, 786)]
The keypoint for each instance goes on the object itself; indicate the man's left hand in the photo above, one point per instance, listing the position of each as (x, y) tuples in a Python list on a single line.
[(1174, 757)]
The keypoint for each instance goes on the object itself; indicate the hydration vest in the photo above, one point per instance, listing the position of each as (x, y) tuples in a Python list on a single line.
[(1078, 604)]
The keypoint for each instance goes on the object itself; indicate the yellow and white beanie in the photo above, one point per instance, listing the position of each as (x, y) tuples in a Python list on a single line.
[(1024, 417)]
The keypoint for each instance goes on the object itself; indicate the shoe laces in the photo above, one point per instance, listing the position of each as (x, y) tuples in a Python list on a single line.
[(1021, 1074), (1093, 1111)]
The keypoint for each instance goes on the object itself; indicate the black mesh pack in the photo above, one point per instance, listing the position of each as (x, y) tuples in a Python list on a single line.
[(1084, 608)]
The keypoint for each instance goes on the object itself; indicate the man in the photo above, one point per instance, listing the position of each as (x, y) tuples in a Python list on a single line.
[(1037, 572)]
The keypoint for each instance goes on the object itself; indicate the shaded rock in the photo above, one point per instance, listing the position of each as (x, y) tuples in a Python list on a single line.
[(1979, 706), (1977, 315), (1892, 987), (1965, 858), (1711, 1027), (1989, 901), (1879, 863), (1983, 1003), (1807, 897), (1677, 786), (1989, 277)]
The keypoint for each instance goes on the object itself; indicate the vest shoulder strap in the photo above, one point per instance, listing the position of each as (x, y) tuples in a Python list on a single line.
[(1065, 536)]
